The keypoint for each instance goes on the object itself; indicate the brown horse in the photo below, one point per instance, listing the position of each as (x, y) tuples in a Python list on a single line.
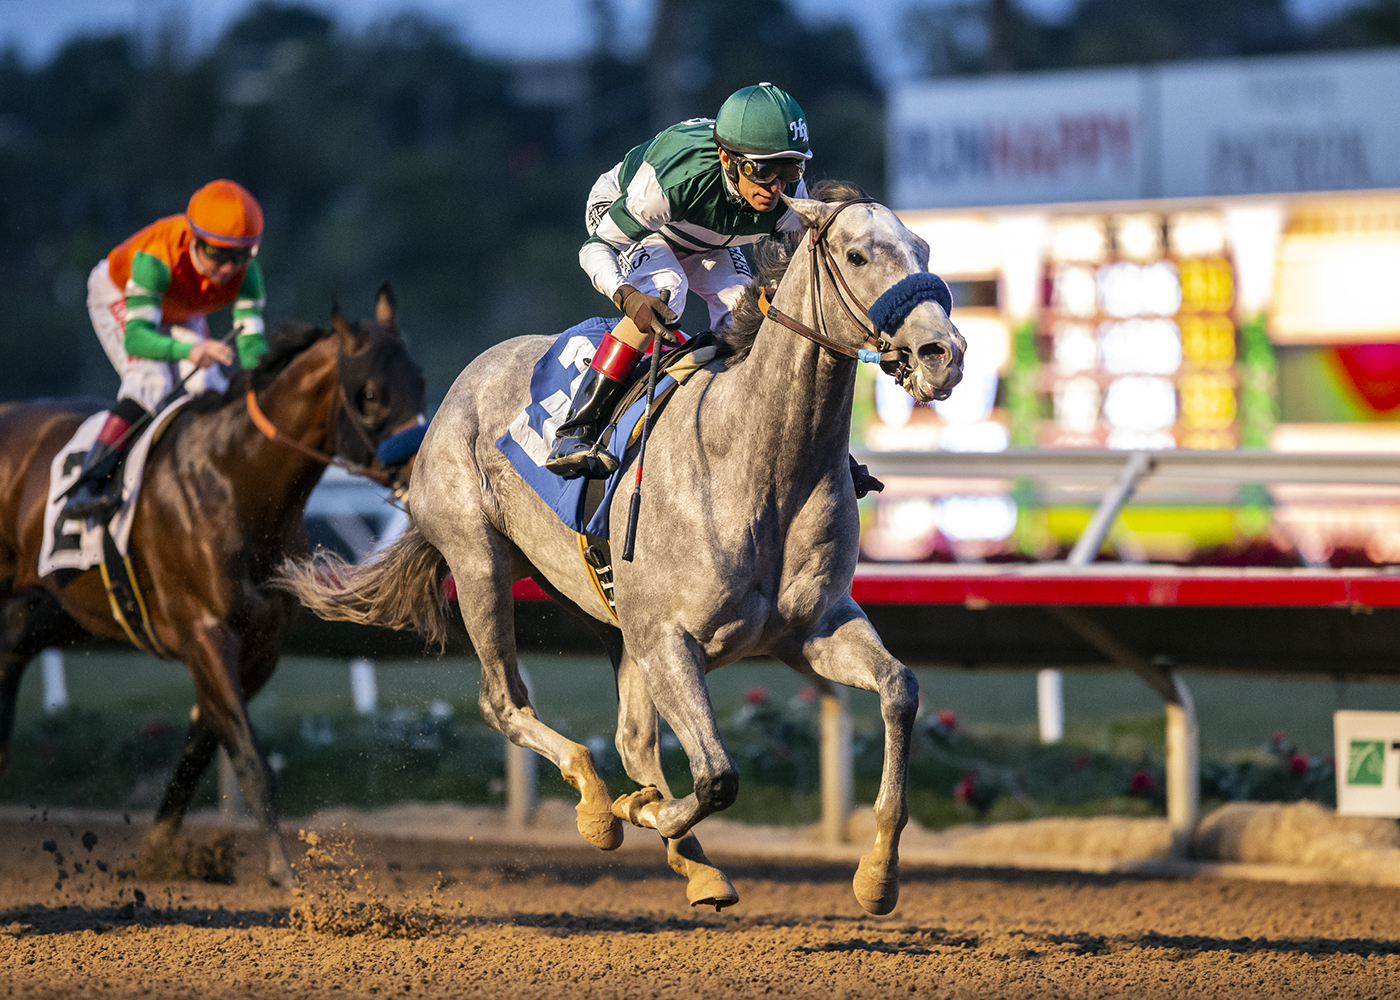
[(221, 507)]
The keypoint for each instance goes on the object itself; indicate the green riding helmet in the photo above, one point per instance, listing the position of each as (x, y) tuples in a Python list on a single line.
[(761, 123)]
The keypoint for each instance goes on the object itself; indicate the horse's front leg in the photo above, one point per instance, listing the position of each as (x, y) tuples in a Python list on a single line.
[(213, 656), (638, 746), (844, 648), (674, 675), (259, 647)]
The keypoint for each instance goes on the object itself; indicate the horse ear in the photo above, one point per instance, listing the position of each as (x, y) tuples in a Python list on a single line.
[(386, 308), (811, 211), (348, 336)]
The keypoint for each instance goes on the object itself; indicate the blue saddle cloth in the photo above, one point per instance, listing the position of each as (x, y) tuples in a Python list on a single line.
[(527, 441)]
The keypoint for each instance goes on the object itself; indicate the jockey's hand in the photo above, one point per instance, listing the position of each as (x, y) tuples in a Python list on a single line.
[(648, 312), (206, 352)]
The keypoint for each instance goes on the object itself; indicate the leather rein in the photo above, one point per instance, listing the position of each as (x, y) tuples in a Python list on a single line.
[(269, 430), (895, 361)]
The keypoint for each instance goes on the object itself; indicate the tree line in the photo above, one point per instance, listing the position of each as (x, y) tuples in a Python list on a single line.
[(398, 153)]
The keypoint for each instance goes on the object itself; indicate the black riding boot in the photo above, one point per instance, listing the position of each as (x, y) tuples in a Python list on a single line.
[(97, 493), (861, 478), (576, 451)]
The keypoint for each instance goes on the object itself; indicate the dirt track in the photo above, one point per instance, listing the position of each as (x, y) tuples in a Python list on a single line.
[(509, 922)]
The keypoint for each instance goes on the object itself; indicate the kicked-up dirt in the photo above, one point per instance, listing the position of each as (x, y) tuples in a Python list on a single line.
[(81, 916)]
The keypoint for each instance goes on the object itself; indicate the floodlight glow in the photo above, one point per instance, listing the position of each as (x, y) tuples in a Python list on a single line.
[(972, 400), (984, 436), (1337, 287), (1077, 404), (1140, 346), (893, 405), (1075, 290), (976, 518), (1075, 348), (908, 517), (1078, 239), (1126, 289), (1021, 248), (1121, 440), (1254, 232), (1139, 237), (1196, 234), (1141, 403), (958, 245)]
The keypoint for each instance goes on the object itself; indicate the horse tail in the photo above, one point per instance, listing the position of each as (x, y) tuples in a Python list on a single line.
[(399, 588)]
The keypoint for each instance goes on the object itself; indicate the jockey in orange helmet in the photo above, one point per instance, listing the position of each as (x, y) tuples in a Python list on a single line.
[(148, 300)]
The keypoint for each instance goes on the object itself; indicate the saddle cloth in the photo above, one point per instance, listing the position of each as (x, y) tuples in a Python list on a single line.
[(527, 441), (77, 545)]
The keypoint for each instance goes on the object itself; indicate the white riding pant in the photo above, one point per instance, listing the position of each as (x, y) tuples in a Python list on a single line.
[(143, 379), (653, 266)]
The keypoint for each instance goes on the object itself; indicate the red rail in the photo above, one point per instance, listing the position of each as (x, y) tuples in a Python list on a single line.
[(1152, 586)]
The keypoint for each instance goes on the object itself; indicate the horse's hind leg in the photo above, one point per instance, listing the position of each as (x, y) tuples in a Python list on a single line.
[(638, 746), (29, 621), (215, 665), (481, 567), (260, 654), (844, 648)]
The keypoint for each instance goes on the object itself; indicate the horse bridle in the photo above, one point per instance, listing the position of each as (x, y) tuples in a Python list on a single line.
[(894, 360), (357, 420)]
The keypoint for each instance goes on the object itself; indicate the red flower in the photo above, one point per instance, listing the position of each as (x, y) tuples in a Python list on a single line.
[(757, 696), (1278, 737), (963, 790), (947, 719), (449, 588), (808, 694), (1141, 784), (1298, 765)]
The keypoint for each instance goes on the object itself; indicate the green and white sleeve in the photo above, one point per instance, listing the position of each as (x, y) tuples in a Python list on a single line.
[(150, 277), (641, 211), (248, 316)]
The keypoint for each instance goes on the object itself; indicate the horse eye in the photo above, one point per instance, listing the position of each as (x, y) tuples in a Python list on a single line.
[(855, 258)]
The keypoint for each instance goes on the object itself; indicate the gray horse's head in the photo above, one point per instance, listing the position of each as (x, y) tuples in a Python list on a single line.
[(872, 251)]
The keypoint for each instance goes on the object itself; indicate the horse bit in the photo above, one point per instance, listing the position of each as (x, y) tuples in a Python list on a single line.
[(886, 313)]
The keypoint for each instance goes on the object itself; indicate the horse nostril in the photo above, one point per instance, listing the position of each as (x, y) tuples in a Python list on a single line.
[(932, 354)]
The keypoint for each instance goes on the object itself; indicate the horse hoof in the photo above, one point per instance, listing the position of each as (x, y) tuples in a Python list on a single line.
[(876, 892), (711, 889), (601, 829), (629, 807)]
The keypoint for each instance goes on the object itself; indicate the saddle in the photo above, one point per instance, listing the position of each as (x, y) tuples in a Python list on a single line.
[(679, 362)]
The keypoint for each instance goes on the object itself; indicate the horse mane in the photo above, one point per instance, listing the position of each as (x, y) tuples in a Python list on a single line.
[(774, 254), (284, 342)]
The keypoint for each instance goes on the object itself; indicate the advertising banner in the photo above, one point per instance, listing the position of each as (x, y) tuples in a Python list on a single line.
[(1264, 126), (1230, 127), (1016, 139)]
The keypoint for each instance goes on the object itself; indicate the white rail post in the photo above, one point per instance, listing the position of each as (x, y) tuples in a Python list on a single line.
[(1183, 768), (1050, 684), (55, 681), (521, 767), (838, 789), (364, 688), (1050, 705)]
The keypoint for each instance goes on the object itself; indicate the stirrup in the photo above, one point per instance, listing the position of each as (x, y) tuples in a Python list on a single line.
[(94, 500)]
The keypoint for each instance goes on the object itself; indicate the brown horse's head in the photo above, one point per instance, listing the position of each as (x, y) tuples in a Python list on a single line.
[(380, 419)]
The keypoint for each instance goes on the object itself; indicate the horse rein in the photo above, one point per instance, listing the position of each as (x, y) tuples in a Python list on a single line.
[(893, 361), (269, 430)]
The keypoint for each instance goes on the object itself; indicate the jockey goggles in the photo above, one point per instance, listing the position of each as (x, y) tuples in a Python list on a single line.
[(227, 255), (765, 172)]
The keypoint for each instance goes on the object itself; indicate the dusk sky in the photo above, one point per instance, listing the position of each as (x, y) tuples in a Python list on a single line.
[(520, 29)]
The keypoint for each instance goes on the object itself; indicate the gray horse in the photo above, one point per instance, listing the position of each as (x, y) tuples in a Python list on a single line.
[(746, 547)]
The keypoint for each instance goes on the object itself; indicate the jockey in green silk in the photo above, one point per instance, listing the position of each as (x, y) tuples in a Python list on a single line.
[(671, 218)]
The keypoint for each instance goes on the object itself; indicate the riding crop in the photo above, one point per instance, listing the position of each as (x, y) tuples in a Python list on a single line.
[(630, 543)]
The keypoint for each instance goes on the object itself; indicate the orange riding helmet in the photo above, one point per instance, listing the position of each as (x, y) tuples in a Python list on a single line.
[(223, 214)]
